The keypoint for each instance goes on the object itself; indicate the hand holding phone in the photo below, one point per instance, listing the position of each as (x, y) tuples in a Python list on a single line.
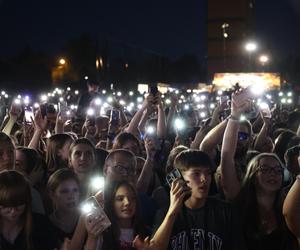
[(96, 219)]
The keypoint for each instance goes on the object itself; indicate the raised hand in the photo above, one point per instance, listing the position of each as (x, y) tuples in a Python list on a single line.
[(40, 122), (146, 244)]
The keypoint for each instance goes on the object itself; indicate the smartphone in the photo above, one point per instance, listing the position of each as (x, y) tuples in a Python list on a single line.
[(43, 108), (174, 174), (153, 90), (242, 97), (93, 210), (114, 117), (28, 115), (64, 110), (265, 110)]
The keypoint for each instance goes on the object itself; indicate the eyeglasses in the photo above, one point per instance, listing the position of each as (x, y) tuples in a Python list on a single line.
[(265, 169), (243, 136), (124, 170)]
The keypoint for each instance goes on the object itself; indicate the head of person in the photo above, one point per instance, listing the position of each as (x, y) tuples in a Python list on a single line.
[(120, 164), (127, 141), (292, 160), (82, 157), (15, 202), (92, 86), (26, 160), (244, 138), (64, 190), (122, 208), (281, 143), (101, 123), (191, 117), (264, 174), (174, 152), (294, 120), (7, 152), (196, 168), (58, 151)]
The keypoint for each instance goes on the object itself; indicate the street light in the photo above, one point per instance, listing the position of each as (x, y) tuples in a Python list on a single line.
[(250, 48), (62, 61), (225, 36), (263, 59)]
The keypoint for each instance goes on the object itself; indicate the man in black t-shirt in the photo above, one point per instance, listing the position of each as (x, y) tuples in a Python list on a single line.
[(194, 221)]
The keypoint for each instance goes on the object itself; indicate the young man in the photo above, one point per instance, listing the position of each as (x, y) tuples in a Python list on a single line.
[(194, 220)]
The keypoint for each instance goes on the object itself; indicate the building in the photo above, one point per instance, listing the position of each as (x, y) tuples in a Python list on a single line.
[(230, 24)]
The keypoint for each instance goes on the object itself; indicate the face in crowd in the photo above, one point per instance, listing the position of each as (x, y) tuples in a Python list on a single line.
[(120, 165)]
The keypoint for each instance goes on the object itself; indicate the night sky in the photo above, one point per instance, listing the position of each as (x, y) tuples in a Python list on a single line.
[(168, 27)]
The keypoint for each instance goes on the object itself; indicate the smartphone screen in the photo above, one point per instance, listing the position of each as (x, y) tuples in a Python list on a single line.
[(153, 90), (28, 115)]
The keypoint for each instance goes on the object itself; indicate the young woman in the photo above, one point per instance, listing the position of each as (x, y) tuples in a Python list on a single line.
[(82, 160), (57, 152), (64, 191), (20, 229), (122, 208), (263, 224), (31, 165)]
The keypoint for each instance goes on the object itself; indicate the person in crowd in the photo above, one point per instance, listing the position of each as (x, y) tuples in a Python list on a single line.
[(82, 161), (127, 141), (64, 191), (122, 207), (291, 208), (31, 165), (260, 189), (281, 143), (194, 220), (58, 152), (7, 152), (20, 229), (86, 98), (292, 160)]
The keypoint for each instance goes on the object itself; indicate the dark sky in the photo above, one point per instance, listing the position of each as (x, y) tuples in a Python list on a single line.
[(168, 27)]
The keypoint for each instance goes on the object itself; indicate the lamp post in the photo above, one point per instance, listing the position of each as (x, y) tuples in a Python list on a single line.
[(250, 48), (225, 36)]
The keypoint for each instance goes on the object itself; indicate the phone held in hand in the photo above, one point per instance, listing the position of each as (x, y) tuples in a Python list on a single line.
[(172, 176), (93, 211), (114, 117), (153, 90), (28, 115)]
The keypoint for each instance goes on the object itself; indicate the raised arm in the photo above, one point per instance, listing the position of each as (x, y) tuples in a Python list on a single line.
[(230, 180), (133, 125), (263, 133), (291, 208), (161, 119), (14, 113), (40, 125)]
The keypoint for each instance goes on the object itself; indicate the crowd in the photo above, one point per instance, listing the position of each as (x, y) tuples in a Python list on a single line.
[(180, 170)]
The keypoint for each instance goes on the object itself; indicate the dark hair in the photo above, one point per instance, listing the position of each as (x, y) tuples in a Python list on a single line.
[(171, 158), (112, 235), (82, 141), (281, 144), (54, 144), (192, 158), (247, 198), (101, 155), (15, 191), (123, 138), (290, 158), (33, 158)]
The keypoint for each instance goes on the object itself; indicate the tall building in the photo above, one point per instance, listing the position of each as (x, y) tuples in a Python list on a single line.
[(230, 24)]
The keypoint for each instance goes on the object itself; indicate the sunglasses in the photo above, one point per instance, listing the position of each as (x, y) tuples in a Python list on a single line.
[(242, 136)]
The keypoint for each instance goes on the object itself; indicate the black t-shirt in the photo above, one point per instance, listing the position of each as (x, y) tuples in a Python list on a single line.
[(84, 102), (42, 237), (212, 227)]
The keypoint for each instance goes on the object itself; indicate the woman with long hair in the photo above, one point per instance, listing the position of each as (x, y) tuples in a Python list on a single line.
[(64, 192), (19, 228), (122, 208), (57, 152), (260, 204)]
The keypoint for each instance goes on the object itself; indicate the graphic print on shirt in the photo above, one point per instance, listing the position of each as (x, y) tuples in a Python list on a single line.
[(180, 240)]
